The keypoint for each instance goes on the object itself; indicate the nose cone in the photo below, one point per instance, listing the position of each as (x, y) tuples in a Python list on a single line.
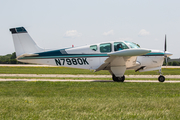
[(166, 53)]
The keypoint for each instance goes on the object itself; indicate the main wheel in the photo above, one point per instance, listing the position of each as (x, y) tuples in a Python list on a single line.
[(161, 78), (118, 79)]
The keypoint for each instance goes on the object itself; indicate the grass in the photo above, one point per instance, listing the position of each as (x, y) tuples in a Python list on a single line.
[(74, 71), (96, 100), (77, 78), (87, 100)]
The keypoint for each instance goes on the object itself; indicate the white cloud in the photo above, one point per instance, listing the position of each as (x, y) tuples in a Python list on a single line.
[(143, 32), (125, 39), (156, 39), (111, 32), (72, 34)]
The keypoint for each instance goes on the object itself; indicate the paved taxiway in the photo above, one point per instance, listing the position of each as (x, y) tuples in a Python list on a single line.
[(70, 78), (82, 76), (58, 80)]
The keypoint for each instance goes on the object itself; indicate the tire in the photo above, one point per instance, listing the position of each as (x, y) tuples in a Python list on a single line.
[(118, 79), (114, 78), (161, 78)]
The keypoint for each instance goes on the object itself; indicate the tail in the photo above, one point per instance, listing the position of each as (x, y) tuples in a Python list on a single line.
[(23, 43)]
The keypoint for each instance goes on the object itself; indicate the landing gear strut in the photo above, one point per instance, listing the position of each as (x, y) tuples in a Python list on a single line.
[(161, 78), (118, 79)]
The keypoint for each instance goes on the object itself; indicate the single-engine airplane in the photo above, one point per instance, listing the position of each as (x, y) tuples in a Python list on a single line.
[(114, 56)]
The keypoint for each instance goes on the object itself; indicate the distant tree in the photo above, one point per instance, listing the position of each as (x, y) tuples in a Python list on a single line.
[(13, 61), (164, 63), (8, 59), (170, 63), (13, 55), (175, 63)]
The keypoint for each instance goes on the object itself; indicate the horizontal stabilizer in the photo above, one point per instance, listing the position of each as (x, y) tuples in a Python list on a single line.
[(130, 52), (28, 55)]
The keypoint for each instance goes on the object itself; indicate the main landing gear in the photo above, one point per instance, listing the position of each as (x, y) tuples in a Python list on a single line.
[(118, 79), (161, 78)]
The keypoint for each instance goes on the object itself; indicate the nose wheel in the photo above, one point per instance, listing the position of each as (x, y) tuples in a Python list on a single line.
[(161, 78), (118, 79)]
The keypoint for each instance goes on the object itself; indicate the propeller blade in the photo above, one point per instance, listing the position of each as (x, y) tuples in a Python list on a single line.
[(166, 53), (166, 61), (165, 47)]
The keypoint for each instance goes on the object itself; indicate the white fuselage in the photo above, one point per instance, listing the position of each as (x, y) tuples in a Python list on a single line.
[(86, 58)]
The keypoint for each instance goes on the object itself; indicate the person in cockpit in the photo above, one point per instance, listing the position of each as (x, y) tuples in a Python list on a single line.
[(119, 46)]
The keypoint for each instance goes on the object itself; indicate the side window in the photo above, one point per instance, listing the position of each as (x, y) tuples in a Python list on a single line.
[(93, 47), (105, 47), (120, 46)]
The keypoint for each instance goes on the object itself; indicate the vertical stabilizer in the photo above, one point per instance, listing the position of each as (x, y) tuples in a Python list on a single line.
[(23, 42)]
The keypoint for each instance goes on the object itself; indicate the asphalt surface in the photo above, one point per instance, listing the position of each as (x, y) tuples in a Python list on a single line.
[(58, 80), (82, 76), (70, 78)]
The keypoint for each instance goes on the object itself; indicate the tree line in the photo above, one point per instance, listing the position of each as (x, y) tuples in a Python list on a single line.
[(9, 59), (174, 63)]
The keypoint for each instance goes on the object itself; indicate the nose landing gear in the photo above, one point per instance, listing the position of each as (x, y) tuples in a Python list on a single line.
[(161, 78), (118, 79)]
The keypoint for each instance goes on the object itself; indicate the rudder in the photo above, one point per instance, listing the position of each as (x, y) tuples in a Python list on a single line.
[(23, 42)]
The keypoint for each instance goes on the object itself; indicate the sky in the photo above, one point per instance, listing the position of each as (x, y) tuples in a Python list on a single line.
[(55, 24)]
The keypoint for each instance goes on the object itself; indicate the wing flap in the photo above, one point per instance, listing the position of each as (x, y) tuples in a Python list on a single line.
[(123, 58)]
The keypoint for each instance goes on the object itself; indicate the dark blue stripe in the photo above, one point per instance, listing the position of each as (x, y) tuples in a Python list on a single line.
[(50, 53), (67, 56)]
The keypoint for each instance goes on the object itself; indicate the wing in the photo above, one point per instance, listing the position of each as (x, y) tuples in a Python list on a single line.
[(120, 60)]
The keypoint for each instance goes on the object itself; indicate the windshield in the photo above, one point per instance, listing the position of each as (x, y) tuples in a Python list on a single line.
[(132, 45)]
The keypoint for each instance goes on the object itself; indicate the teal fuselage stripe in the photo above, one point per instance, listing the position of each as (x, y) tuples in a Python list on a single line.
[(154, 54), (81, 56), (67, 56)]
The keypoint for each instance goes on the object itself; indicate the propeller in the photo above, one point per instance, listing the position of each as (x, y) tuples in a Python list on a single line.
[(166, 53), (165, 49)]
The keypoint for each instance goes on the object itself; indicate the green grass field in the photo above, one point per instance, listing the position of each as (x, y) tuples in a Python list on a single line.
[(65, 70), (87, 100), (95, 100)]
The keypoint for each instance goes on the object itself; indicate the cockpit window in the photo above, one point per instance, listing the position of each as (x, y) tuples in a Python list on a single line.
[(132, 45), (120, 46), (93, 47), (105, 47)]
